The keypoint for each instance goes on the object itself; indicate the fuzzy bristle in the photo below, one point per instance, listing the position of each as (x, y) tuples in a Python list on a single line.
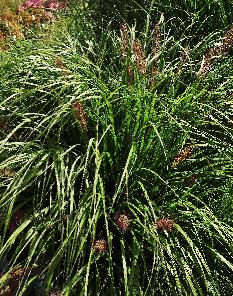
[(157, 40)]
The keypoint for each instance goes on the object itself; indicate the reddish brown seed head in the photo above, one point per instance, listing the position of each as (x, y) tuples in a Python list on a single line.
[(60, 64), (157, 39), (227, 41), (139, 56), (130, 73), (7, 173), (100, 246), (164, 224), (122, 221), (81, 114), (191, 180), (183, 154), (124, 39)]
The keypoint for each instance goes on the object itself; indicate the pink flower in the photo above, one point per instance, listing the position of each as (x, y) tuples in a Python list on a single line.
[(50, 4), (31, 4), (49, 15), (54, 5)]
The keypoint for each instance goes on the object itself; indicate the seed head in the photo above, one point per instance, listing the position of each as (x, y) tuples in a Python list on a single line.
[(58, 61), (100, 246), (157, 40), (130, 75), (7, 173), (139, 56), (184, 55), (6, 291), (191, 180), (81, 114), (219, 50), (184, 154), (122, 221), (164, 224), (124, 29), (227, 41)]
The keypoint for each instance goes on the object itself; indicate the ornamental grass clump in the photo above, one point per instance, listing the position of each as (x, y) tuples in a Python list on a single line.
[(93, 199), (30, 14)]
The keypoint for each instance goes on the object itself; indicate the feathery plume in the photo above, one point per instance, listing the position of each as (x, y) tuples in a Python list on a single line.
[(218, 51), (139, 56), (184, 55), (81, 114), (6, 291), (156, 48), (227, 41), (157, 40), (210, 55), (124, 29)]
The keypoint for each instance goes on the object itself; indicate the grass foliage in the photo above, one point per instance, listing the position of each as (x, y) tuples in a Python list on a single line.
[(81, 143)]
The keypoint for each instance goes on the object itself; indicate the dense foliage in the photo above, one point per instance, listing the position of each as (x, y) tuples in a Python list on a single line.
[(116, 152)]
